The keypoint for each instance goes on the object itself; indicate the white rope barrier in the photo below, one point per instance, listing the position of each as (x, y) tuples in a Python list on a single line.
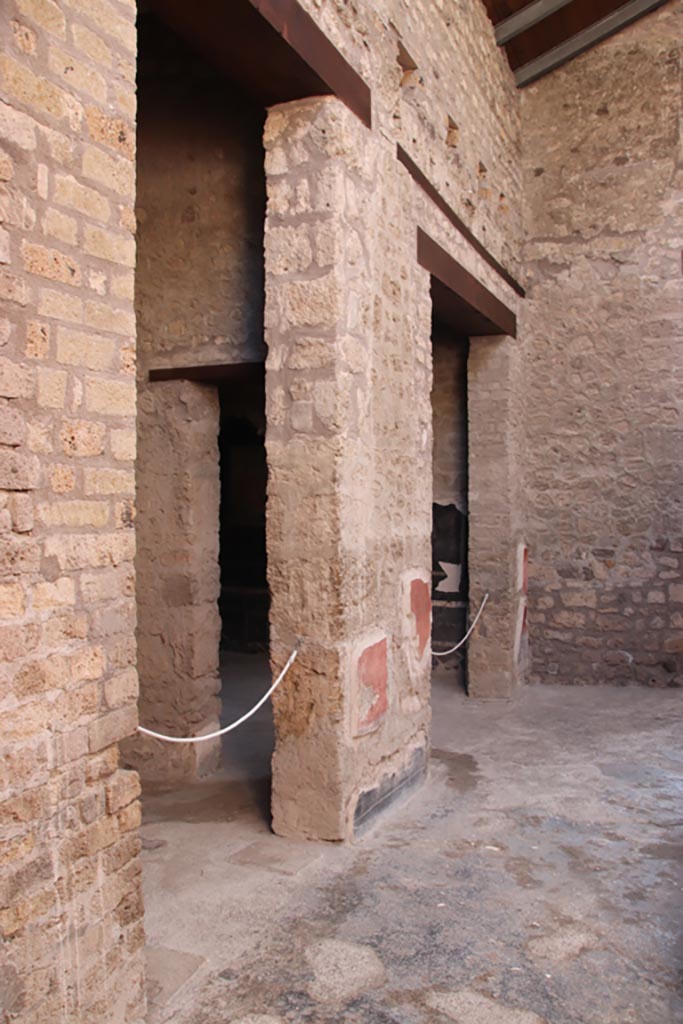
[(233, 725), (468, 634)]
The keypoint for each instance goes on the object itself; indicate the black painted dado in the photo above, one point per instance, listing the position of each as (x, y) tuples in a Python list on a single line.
[(394, 787)]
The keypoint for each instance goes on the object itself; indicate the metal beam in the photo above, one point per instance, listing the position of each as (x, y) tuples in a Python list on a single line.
[(584, 40), (529, 16)]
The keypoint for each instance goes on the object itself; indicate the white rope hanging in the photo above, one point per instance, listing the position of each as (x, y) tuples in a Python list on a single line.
[(468, 634), (233, 725)]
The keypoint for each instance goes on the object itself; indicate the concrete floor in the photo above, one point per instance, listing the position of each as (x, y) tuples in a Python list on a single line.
[(536, 877)]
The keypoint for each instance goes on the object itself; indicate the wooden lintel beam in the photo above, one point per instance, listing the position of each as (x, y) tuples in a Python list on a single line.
[(458, 298), (216, 373)]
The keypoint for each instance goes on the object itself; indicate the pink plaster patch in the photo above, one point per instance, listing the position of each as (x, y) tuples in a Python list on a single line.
[(372, 686), (421, 606)]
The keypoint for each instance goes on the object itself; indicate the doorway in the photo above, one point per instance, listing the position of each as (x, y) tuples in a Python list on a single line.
[(201, 350), (244, 594), (450, 577)]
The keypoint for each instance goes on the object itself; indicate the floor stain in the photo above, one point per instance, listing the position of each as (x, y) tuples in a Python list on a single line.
[(664, 851), (463, 772)]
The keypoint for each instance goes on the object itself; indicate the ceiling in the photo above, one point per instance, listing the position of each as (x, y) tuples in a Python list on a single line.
[(540, 35)]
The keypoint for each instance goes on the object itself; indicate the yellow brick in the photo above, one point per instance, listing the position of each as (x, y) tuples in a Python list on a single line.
[(82, 438), (62, 479), (60, 146), (110, 131), (81, 551), (113, 171), (106, 318), (123, 285), (110, 397), (6, 167), (61, 226), (54, 595), (78, 348), (87, 664), (103, 14), (12, 602), (37, 340), (108, 246), (36, 92), (123, 445), (51, 388), (127, 219), (124, 514), (44, 13), (77, 75), (50, 263), (69, 192), (107, 584), (13, 289), (39, 437), (74, 513), (60, 305), (126, 102), (25, 721), (24, 38), (108, 481), (91, 44), (97, 280), (128, 358)]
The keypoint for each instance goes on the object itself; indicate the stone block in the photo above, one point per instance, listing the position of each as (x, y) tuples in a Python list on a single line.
[(111, 727), (19, 470)]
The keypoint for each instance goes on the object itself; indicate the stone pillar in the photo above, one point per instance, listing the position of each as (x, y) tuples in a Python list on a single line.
[(349, 428), (178, 578), (497, 556)]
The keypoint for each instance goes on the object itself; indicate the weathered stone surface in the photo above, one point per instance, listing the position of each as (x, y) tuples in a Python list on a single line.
[(475, 1008), (343, 970), (70, 911), (601, 328)]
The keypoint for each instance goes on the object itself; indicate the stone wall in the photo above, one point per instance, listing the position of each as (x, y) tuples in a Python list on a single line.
[(602, 324), (70, 905), (444, 90), (349, 510), (199, 300)]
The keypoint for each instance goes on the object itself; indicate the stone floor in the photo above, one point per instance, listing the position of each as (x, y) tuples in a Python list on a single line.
[(537, 877)]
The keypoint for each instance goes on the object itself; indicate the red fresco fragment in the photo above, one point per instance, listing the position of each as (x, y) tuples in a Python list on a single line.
[(421, 606), (372, 673)]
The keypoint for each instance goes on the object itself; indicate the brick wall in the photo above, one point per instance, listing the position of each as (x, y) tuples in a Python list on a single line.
[(70, 905), (602, 323)]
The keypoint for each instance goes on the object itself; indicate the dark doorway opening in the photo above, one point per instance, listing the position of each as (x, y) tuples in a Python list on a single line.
[(450, 585), (244, 596)]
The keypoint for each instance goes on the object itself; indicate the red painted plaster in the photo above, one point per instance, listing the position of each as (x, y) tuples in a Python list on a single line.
[(421, 606), (372, 674)]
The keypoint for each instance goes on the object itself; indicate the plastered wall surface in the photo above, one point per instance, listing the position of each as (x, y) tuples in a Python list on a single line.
[(71, 931), (602, 327)]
